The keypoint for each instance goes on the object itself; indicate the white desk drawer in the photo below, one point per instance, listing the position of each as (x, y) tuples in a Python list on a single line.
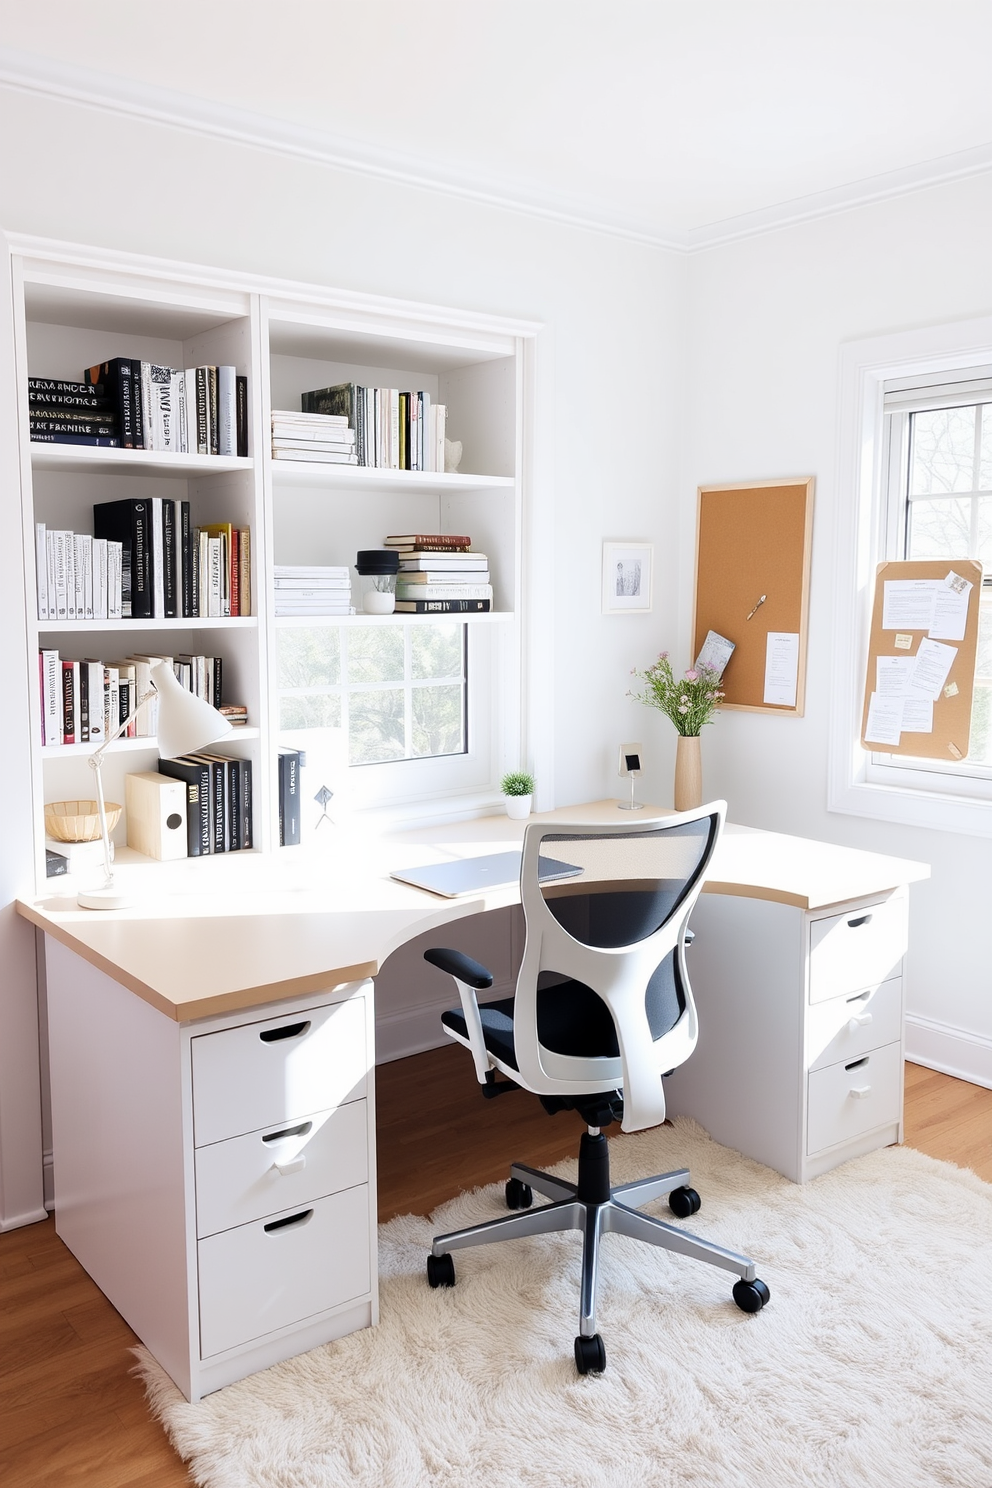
[(859, 949), (281, 1168), (269, 1274), (848, 1099), (847, 1027), (274, 1072)]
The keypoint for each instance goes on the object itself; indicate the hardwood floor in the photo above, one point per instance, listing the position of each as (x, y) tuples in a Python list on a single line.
[(71, 1414)]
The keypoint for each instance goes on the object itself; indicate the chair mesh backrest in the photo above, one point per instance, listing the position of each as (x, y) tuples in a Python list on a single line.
[(631, 884)]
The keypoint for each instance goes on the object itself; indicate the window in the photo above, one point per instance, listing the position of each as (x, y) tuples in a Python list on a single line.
[(914, 481), (938, 504), (385, 713)]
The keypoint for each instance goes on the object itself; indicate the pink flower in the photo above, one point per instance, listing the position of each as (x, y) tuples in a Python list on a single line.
[(683, 706), (692, 675), (662, 655)]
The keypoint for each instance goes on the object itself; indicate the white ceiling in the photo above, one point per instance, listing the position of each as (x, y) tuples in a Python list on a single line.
[(682, 121)]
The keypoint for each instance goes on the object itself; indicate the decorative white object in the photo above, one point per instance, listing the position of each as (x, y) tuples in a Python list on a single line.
[(452, 455), (185, 723), (518, 807)]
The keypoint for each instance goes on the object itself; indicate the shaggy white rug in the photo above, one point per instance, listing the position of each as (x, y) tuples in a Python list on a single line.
[(871, 1365)]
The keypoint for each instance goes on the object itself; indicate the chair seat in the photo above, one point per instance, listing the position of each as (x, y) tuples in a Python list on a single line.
[(571, 1020)]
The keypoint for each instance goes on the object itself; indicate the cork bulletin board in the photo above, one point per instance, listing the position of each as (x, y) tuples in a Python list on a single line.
[(752, 588), (901, 628)]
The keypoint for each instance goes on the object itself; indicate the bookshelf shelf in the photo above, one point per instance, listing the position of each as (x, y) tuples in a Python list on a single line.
[(87, 459), (309, 474), (122, 627), (129, 746), (321, 622)]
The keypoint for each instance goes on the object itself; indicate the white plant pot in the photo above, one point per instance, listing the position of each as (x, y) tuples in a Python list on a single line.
[(518, 807), (376, 603)]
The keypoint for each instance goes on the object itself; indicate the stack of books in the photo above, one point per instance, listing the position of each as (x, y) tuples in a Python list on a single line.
[(311, 590), (72, 413), (85, 702), (323, 438), (440, 575), (393, 430), (142, 405)]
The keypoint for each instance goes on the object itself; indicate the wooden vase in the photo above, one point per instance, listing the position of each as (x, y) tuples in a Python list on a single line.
[(688, 773)]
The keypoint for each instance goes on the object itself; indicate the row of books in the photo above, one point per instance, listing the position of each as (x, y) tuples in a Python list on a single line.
[(393, 430), (144, 561), (85, 702), (440, 574), (218, 801), (314, 590), (320, 438), (132, 404)]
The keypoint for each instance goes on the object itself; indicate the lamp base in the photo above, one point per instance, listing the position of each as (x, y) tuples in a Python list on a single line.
[(630, 805), (111, 898)]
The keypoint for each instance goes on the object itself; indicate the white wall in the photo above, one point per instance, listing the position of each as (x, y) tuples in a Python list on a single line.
[(607, 365), (767, 317)]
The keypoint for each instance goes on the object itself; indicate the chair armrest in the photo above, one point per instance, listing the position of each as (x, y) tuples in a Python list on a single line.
[(461, 967)]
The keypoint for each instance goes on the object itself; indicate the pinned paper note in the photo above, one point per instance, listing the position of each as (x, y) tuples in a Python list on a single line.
[(884, 724), (951, 690), (903, 642), (933, 662), (907, 604), (950, 610), (917, 715), (893, 674), (781, 668)]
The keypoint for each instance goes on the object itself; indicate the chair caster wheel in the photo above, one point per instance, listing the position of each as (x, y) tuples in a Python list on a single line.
[(518, 1195), (440, 1271), (751, 1296), (683, 1202), (590, 1354)]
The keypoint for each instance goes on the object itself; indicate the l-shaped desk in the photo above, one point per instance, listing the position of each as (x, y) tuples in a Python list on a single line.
[(212, 1063)]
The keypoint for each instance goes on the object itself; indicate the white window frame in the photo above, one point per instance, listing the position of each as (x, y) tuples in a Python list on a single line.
[(860, 784)]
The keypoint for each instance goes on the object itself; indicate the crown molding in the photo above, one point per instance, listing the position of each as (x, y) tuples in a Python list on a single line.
[(29, 73)]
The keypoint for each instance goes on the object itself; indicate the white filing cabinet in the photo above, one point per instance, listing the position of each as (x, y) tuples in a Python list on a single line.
[(800, 1056), (217, 1178)]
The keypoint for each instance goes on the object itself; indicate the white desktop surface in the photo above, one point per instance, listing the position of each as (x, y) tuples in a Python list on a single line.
[(240, 930)]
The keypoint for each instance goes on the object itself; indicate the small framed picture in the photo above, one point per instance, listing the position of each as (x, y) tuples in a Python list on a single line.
[(627, 577)]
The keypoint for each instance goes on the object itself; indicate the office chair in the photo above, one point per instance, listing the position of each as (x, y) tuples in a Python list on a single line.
[(603, 1009)]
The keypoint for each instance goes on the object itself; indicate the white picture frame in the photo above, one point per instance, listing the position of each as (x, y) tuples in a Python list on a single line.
[(627, 578)]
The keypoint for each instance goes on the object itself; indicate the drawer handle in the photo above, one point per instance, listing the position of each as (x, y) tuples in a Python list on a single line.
[(291, 1219), (860, 1020), (288, 1030), (862, 920), (857, 1063), (295, 1165), (289, 1131), (860, 1092)]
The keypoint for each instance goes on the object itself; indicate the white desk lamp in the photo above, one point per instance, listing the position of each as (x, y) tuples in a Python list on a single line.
[(185, 723)]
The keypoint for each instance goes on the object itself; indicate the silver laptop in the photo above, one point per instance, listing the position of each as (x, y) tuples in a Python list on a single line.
[(473, 875)]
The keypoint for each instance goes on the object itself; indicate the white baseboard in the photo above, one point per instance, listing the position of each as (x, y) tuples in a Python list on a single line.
[(18, 1221), (952, 1051), (411, 1030)]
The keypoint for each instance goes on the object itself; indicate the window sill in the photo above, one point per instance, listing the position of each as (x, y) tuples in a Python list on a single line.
[(941, 812)]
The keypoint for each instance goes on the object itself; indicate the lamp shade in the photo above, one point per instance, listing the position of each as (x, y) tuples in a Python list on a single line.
[(185, 722)]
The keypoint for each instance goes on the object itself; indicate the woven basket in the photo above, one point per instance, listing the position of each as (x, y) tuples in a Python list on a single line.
[(79, 821)]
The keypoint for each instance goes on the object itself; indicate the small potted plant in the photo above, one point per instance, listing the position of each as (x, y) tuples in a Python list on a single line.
[(518, 788)]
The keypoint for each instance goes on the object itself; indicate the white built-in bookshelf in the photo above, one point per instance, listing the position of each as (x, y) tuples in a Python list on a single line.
[(76, 307)]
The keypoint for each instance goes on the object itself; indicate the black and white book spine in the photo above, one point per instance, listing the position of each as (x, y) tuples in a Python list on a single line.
[(51, 546), (61, 544), (100, 609), (54, 418), (202, 410), (201, 582), (289, 798), (187, 569), (169, 575), (227, 411), (113, 580), (69, 539), (163, 409), (214, 443), (51, 698), (215, 577), (247, 835), (84, 559), (78, 580), (137, 403), (443, 606), (41, 563), (95, 692), (241, 412), (189, 410), (179, 401), (87, 403), (158, 552), (53, 387), (111, 701), (147, 409)]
